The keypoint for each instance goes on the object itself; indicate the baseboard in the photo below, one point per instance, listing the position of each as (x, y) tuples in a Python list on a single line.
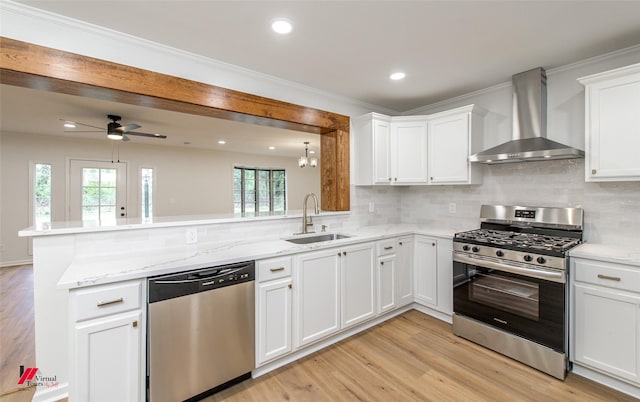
[(15, 263), (433, 313), (606, 380), (51, 394)]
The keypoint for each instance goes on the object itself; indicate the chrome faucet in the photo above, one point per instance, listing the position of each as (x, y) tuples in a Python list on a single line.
[(306, 222)]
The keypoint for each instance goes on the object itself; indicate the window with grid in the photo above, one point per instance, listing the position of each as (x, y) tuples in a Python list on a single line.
[(258, 190)]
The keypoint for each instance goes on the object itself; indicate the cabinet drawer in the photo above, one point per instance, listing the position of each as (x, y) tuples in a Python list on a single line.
[(105, 300), (607, 274), (273, 268), (386, 247)]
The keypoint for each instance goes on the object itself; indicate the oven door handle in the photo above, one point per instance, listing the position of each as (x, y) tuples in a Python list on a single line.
[(554, 276)]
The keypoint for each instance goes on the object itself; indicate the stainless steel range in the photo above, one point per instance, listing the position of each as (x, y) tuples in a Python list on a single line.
[(510, 285)]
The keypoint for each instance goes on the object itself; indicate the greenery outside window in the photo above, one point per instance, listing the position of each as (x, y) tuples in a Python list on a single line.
[(257, 190), (42, 194)]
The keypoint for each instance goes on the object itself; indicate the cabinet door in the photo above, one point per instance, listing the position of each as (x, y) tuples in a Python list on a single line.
[(386, 283), (409, 152), (316, 296), (613, 130), (274, 319), (358, 284), (607, 330), (106, 359), (381, 152), (425, 271), (449, 149), (404, 271)]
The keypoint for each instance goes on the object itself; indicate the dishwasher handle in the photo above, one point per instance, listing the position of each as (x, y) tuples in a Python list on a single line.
[(167, 287)]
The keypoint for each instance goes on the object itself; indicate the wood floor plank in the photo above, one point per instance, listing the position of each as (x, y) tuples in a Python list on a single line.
[(413, 357)]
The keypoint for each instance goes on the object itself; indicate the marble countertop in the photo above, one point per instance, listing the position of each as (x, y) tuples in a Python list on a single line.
[(88, 271), (72, 227), (607, 253)]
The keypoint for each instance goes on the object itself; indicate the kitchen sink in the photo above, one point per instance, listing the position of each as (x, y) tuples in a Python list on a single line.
[(317, 238)]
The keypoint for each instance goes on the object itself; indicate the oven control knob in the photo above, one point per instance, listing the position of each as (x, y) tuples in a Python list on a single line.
[(465, 247), (528, 258), (541, 260), (475, 249), (499, 253)]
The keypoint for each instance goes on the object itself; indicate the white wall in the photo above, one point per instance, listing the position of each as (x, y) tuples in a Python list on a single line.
[(187, 181)]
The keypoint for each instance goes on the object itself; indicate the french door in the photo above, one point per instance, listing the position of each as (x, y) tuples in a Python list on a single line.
[(97, 190)]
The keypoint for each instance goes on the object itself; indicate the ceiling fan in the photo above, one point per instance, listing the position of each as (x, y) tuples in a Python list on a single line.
[(115, 130)]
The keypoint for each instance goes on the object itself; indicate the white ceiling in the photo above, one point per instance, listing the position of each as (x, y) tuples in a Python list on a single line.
[(446, 48)]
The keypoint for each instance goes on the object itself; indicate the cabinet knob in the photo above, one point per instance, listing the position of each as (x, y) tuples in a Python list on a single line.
[(400, 243), (134, 324), (290, 286), (381, 262), (344, 253), (339, 254), (433, 244), (593, 171), (431, 178), (389, 178), (395, 179)]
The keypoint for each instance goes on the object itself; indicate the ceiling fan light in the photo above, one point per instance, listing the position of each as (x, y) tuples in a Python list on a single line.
[(114, 136), (69, 124)]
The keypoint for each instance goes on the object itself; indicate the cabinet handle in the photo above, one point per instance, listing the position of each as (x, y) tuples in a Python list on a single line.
[(400, 243), (611, 278), (433, 244), (395, 179), (381, 262), (106, 303), (290, 286), (339, 254), (431, 178), (134, 324), (277, 269), (593, 171), (389, 178), (388, 248), (344, 253)]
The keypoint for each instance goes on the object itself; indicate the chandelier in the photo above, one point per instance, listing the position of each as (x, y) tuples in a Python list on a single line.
[(305, 161)]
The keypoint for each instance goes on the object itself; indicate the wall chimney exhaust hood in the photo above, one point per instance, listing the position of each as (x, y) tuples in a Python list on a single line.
[(529, 139)]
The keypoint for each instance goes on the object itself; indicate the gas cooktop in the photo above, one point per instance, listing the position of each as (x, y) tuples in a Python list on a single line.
[(557, 245)]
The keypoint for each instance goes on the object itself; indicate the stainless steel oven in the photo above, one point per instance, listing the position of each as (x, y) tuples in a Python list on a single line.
[(510, 290)]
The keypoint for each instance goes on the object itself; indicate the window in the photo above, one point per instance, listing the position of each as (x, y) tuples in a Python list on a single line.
[(42, 194), (146, 211), (98, 194), (258, 190)]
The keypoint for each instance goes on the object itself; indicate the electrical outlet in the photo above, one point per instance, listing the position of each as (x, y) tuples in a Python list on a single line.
[(192, 235), (452, 207), (371, 207)]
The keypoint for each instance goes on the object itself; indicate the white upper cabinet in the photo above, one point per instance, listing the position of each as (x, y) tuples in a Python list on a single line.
[(409, 150), (453, 136), (612, 125), (390, 150), (416, 150)]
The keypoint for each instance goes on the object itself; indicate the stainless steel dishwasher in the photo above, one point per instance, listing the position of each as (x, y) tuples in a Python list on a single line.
[(200, 335)]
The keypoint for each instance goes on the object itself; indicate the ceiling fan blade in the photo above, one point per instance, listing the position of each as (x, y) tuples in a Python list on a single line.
[(125, 138), (128, 127), (82, 124), (147, 135), (84, 131)]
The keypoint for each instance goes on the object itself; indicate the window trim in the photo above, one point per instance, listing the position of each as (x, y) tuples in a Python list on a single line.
[(257, 181)]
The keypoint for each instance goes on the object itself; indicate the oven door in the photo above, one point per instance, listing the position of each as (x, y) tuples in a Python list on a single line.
[(525, 300)]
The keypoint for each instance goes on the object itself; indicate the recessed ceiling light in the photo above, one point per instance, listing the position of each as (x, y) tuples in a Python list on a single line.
[(222, 142), (281, 25), (69, 124), (397, 76), (272, 148)]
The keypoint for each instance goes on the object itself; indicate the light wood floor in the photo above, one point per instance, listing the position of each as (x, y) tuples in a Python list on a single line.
[(412, 357)]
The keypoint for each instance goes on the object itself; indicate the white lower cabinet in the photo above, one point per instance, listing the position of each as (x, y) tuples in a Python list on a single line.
[(426, 270), (606, 318), (358, 284), (404, 271), (316, 296), (107, 361), (273, 318), (386, 283)]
